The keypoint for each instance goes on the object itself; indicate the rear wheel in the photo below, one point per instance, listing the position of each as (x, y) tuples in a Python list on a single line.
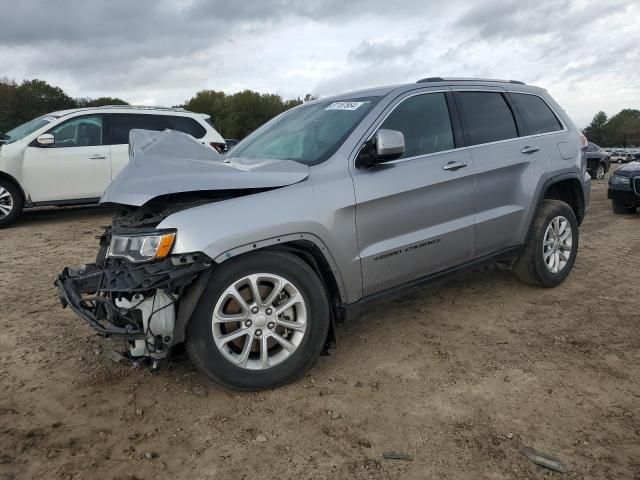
[(551, 249), (621, 208), (600, 171), (261, 322), (11, 202)]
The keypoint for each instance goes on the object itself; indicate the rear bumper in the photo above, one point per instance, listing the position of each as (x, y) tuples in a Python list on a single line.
[(90, 291)]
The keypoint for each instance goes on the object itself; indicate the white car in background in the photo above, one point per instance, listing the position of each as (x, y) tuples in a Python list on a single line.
[(70, 157)]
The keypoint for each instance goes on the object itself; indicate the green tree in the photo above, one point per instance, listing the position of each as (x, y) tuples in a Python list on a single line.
[(8, 104), (238, 114), (595, 131), (37, 97), (212, 103), (99, 102), (623, 129)]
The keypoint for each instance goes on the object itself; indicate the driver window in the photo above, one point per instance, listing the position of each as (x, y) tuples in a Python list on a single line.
[(78, 132), (424, 121)]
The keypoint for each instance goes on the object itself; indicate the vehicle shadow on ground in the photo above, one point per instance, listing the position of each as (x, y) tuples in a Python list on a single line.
[(47, 215)]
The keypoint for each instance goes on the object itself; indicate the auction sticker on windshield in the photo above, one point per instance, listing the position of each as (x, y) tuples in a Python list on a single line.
[(345, 105)]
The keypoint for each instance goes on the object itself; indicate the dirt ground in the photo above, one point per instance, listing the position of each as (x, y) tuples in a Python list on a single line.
[(459, 377)]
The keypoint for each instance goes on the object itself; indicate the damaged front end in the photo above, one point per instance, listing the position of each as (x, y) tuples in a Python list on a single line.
[(143, 287), (133, 291)]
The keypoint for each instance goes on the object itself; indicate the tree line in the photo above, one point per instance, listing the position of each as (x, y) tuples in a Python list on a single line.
[(621, 130), (32, 98), (234, 115), (238, 114)]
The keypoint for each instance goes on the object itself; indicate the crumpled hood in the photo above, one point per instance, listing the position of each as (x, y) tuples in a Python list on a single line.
[(162, 163)]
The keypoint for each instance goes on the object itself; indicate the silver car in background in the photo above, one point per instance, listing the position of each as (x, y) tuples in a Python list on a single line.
[(251, 258)]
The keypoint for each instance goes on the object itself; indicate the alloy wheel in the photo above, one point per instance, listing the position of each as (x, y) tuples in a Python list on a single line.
[(259, 321), (600, 172), (6, 202), (556, 244)]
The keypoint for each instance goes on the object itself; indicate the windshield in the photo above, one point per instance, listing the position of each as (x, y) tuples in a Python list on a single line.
[(26, 129), (308, 134)]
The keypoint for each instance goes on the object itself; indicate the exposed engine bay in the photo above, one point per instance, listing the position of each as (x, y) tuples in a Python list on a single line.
[(153, 212)]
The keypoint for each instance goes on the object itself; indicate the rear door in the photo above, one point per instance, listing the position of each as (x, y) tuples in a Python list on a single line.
[(75, 167), (119, 125), (414, 215), (507, 167)]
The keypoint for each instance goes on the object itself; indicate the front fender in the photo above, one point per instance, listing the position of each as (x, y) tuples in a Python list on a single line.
[(229, 228)]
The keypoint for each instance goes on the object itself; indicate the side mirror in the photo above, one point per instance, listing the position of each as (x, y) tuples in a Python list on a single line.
[(385, 146), (46, 139)]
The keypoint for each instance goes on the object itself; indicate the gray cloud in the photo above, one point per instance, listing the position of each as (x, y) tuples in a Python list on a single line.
[(521, 19), (163, 51), (373, 52)]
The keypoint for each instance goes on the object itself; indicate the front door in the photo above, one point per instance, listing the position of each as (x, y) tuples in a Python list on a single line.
[(415, 215), (75, 167)]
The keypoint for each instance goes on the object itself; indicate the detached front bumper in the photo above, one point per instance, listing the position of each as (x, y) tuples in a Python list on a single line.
[(91, 291), (78, 290)]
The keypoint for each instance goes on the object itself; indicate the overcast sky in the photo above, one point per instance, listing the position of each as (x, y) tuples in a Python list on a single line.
[(160, 52)]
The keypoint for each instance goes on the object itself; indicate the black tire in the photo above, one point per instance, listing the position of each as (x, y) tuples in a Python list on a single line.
[(601, 171), (621, 208), (200, 343), (16, 201), (530, 267)]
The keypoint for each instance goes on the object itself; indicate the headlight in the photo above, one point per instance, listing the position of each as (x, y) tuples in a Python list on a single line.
[(620, 180), (141, 248)]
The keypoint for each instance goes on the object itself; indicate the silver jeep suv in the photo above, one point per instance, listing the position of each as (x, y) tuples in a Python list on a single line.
[(250, 259)]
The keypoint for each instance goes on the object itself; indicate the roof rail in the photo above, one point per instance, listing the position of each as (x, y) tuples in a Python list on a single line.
[(443, 79), (430, 79), (142, 107)]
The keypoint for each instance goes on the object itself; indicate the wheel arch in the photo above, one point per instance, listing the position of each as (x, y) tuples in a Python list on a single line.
[(6, 176), (308, 247), (567, 188)]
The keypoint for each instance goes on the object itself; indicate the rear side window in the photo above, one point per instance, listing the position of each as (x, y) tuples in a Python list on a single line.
[(536, 114), (486, 117), (425, 123), (186, 125), (120, 124)]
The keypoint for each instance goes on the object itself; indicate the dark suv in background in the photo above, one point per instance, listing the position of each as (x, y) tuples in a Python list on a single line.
[(624, 188), (598, 161)]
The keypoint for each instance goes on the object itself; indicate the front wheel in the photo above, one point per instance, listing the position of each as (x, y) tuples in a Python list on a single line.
[(600, 172), (551, 249), (11, 202), (261, 321)]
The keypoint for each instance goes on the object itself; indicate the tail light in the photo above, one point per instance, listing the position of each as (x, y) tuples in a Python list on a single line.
[(583, 152), (583, 141), (219, 147)]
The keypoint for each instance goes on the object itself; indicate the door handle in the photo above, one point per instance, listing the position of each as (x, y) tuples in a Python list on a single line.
[(528, 149), (454, 165), (97, 157)]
